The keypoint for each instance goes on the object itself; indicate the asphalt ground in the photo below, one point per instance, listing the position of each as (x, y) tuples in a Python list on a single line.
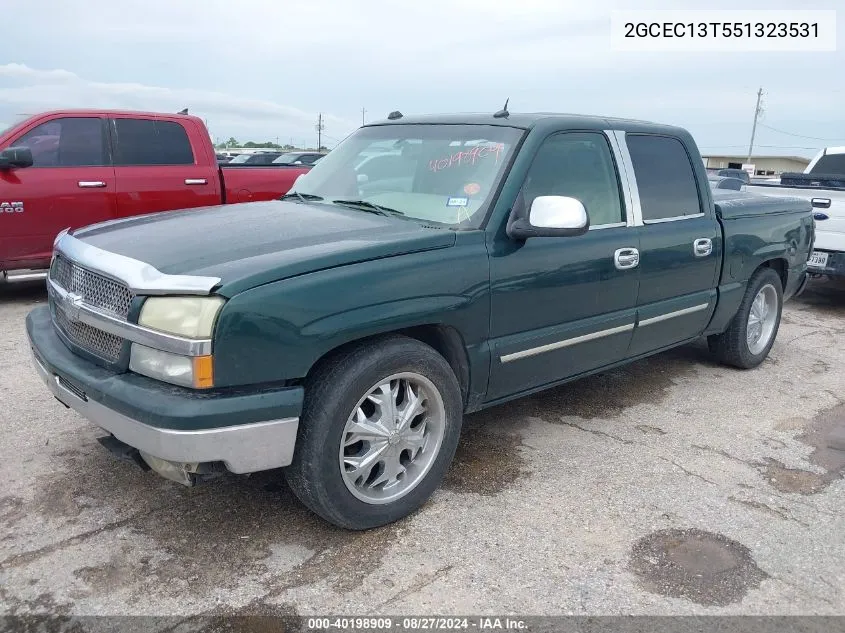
[(671, 486)]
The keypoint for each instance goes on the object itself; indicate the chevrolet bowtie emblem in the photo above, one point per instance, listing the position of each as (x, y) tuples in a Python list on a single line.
[(71, 304)]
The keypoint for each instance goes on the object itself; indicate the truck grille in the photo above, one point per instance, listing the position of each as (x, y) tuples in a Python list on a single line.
[(99, 292), (95, 290)]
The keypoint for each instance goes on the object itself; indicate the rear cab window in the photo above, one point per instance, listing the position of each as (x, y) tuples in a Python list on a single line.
[(665, 178), (150, 142), (830, 164)]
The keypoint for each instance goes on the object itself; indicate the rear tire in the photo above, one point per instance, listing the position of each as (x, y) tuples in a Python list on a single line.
[(752, 331), (379, 428)]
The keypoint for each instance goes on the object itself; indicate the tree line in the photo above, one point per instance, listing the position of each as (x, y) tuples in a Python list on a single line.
[(233, 142)]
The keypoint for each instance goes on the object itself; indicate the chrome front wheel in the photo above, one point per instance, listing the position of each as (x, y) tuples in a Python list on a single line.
[(392, 438), (379, 427)]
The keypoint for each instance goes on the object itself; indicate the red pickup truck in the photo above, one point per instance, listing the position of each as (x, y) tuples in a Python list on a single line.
[(77, 167)]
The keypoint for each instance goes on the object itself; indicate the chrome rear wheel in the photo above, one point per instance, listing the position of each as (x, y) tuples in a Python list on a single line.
[(762, 319)]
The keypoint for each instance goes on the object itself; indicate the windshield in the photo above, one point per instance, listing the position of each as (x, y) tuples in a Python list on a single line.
[(287, 158), (444, 174), (830, 164)]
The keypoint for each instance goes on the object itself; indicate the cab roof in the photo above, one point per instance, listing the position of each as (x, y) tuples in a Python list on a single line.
[(105, 112), (529, 120)]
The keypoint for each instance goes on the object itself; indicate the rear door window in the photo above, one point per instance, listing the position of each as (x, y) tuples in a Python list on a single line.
[(665, 178), (150, 142), (67, 142)]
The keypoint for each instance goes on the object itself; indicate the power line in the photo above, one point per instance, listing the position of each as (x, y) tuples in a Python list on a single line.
[(813, 138)]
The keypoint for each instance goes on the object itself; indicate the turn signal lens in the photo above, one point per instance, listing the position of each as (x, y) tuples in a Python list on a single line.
[(203, 372)]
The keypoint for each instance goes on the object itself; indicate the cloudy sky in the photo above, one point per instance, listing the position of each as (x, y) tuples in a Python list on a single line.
[(263, 69)]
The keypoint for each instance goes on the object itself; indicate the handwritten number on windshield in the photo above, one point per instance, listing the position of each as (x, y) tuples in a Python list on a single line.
[(466, 158)]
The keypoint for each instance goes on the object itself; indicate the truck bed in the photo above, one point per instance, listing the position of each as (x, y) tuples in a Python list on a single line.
[(731, 204), (754, 226)]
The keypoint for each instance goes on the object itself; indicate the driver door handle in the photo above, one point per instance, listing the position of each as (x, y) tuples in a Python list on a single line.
[(91, 184), (702, 247), (625, 258)]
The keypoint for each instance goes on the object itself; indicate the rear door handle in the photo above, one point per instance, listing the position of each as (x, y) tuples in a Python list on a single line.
[(91, 184), (625, 258), (196, 181), (820, 203), (702, 247)]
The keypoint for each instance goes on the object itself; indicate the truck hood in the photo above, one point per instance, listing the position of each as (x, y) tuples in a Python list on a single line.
[(250, 244)]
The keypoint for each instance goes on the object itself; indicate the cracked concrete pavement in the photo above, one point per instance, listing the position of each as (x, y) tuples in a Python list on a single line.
[(671, 486)]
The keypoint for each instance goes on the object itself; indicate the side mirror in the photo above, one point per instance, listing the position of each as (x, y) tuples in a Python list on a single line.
[(549, 216), (16, 157)]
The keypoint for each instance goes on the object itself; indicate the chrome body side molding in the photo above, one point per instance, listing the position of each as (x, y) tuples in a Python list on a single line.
[(672, 315), (533, 351)]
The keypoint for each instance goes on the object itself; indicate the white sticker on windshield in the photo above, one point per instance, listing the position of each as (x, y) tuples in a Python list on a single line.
[(457, 202)]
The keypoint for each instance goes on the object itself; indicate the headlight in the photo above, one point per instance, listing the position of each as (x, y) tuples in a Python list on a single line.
[(186, 316), (192, 317)]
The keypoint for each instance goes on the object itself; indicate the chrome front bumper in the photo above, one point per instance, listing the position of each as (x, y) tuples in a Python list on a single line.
[(243, 449)]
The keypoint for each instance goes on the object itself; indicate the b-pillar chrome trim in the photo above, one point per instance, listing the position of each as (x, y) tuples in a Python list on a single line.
[(625, 167), (140, 277)]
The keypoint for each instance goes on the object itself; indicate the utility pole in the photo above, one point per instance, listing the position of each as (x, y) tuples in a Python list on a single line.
[(363, 112), (320, 128), (758, 110)]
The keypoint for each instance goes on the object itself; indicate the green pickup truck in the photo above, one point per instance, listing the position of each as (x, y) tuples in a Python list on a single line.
[(426, 268)]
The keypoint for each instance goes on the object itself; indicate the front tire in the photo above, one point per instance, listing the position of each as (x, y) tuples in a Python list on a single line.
[(379, 428), (752, 331)]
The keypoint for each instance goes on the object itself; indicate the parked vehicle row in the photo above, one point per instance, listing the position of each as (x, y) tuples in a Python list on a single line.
[(739, 174), (425, 268), (823, 184), (277, 158), (75, 168)]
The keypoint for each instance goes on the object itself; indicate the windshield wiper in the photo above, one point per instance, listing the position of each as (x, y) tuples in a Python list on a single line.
[(302, 197), (369, 206)]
